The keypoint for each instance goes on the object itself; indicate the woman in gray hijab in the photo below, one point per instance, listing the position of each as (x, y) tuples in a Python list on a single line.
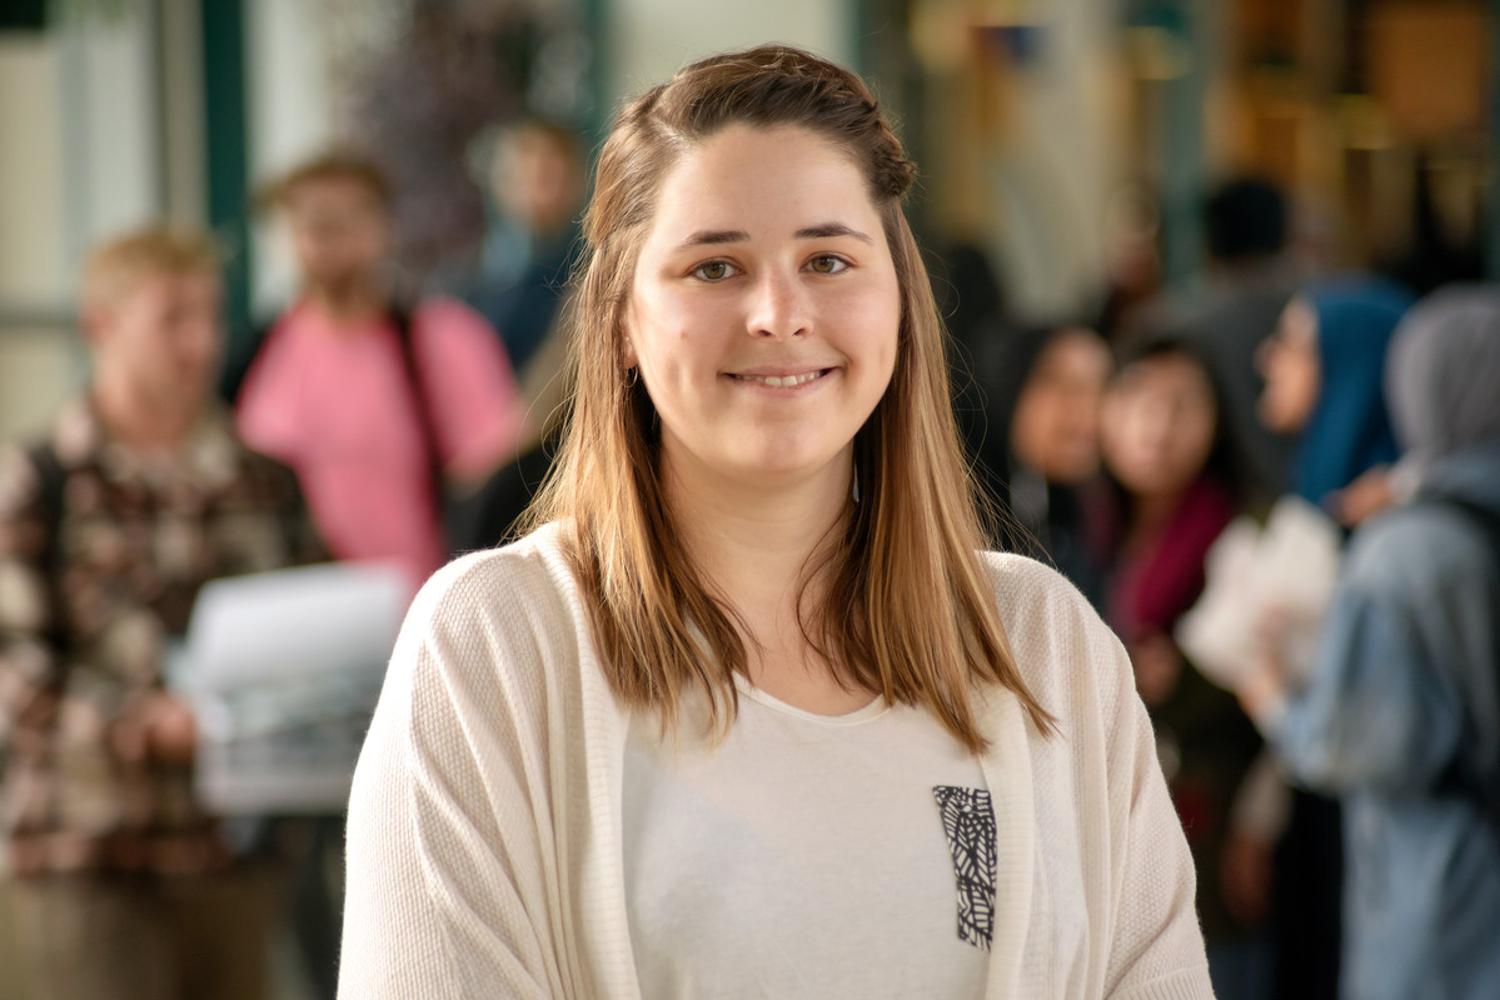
[(1401, 718)]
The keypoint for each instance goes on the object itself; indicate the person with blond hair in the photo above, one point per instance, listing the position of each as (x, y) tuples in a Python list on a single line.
[(751, 713), (125, 886)]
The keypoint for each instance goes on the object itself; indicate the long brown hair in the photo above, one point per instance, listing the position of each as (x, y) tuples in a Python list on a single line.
[(906, 608)]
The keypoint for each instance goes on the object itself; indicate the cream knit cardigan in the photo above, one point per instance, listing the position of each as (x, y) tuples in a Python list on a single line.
[(484, 855)]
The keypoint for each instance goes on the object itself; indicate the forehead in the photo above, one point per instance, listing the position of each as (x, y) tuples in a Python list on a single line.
[(1073, 350), (762, 181), (1174, 368), (332, 191), (161, 286)]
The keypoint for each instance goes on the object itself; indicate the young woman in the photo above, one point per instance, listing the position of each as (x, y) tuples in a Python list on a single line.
[(1325, 369), (1031, 421), (1178, 477), (750, 714)]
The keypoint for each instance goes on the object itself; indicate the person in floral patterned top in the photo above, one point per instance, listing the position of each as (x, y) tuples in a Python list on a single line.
[(140, 494)]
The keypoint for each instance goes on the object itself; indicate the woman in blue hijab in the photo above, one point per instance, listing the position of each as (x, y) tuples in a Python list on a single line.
[(1325, 379), (1325, 382)]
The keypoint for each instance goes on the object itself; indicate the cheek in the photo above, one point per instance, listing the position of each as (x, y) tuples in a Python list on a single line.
[(1201, 444), (1308, 378), (1277, 380), (1185, 454), (664, 330), (868, 325), (1114, 445), (1127, 438), (1035, 426), (679, 349)]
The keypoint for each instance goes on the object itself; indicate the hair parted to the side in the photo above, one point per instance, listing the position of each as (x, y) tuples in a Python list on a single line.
[(338, 164), (115, 267), (908, 608)]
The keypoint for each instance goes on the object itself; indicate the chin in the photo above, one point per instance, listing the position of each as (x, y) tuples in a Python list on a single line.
[(780, 458), (1275, 421)]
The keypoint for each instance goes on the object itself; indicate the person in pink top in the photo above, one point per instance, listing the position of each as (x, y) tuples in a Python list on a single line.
[(379, 406)]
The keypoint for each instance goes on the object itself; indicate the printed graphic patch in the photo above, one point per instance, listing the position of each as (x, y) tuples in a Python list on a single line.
[(969, 823)]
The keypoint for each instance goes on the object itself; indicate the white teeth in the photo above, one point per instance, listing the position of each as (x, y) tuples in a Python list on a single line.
[(781, 381)]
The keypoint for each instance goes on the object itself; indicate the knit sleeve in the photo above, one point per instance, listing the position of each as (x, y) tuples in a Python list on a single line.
[(1146, 943), (445, 900), (1156, 947)]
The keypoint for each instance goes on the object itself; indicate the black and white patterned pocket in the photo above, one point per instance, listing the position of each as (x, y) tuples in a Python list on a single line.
[(969, 824)]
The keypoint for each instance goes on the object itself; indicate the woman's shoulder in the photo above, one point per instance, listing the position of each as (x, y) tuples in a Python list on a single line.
[(517, 599), (1438, 547), (1069, 659), (1030, 590)]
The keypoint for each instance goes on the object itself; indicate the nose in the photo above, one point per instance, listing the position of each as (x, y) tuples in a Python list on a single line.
[(198, 342), (778, 308), (1264, 353)]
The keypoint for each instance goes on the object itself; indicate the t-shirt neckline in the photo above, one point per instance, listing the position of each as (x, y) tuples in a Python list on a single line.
[(874, 710)]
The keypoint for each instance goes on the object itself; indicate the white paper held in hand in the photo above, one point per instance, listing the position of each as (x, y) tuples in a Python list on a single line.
[(292, 625), (1289, 568)]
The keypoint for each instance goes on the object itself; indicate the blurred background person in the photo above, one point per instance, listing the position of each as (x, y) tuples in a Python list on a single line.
[(1250, 279), (1176, 473), (1132, 260), (124, 886), (536, 181), (1324, 370), (381, 405), (1401, 716), (390, 409), (1034, 439), (1251, 276)]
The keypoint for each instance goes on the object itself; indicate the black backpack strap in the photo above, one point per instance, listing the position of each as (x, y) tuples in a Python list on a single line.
[(404, 319), (1460, 779), (240, 357), (52, 480), (1481, 517)]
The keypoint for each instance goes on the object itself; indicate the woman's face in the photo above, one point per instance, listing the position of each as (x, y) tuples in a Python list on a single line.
[(765, 307), (1159, 422), (1055, 429), (1293, 372)]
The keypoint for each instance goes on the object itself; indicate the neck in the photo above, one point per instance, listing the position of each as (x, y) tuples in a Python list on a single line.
[(354, 299), (1151, 511), (754, 540), (142, 421)]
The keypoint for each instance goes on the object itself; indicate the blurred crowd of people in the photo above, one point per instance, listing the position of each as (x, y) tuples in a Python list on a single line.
[(366, 422), (1345, 818), (1343, 815)]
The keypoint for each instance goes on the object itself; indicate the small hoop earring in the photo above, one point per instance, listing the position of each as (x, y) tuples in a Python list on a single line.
[(632, 376)]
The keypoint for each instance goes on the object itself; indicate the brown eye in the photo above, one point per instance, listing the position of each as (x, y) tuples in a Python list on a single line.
[(714, 270), (827, 264)]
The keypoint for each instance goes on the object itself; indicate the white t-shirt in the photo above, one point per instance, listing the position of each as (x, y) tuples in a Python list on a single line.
[(808, 856)]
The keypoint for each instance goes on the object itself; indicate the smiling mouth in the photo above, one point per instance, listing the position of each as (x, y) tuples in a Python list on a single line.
[(782, 381)]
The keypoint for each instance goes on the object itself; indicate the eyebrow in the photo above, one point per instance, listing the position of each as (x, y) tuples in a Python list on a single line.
[(824, 230), (711, 236)]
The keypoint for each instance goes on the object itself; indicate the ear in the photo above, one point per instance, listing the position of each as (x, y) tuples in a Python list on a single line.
[(93, 323), (628, 356)]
